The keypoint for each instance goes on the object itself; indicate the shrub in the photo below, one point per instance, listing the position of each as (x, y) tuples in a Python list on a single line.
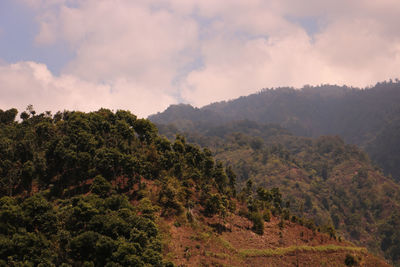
[(258, 222), (350, 260), (267, 216), (214, 205)]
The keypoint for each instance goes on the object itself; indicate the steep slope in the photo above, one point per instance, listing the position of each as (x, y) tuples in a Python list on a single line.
[(75, 182), (291, 245), (323, 178), (364, 117), (104, 189)]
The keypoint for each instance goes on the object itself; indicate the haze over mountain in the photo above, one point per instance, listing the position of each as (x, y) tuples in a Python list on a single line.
[(295, 139), (291, 176), (368, 117), (104, 189)]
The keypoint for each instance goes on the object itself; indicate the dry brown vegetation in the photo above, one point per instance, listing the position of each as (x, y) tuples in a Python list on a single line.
[(230, 242)]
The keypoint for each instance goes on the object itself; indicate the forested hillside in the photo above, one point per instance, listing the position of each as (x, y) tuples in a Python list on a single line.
[(104, 189), (68, 182), (367, 117), (323, 178)]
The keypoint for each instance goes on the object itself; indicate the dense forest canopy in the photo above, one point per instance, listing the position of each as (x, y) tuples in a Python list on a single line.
[(266, 138), (68, 181), (322, 178), (367, 117), (90, 189)]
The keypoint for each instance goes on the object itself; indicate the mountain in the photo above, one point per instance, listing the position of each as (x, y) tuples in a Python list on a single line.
[(105, 189), (324, 178), (367, 117)]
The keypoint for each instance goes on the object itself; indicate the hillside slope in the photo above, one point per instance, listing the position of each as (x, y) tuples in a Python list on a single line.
[(198, 244), (323, 178), (368, 117), (104, 189)]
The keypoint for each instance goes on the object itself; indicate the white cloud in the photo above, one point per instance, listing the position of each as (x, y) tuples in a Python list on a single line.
[(26, 83), (354, 46), (213, 50), (115, 39)]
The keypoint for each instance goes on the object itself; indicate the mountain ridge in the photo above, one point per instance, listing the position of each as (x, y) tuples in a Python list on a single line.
[(105, 189), (318, 172), (359, 116)]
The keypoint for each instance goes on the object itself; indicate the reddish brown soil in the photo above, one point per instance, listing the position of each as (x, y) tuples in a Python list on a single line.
[(317, 259), (201, 244)]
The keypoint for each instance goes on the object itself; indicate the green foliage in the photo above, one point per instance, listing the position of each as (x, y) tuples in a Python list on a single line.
[(88, 168), (40, 215), (267, 216), (286, 214), (329, 229), (292, 249), (100, 186), (8, 116), (323, 178), (215, 204), (390, 233), (88, 228), (170, 198), (220, 177), (63, 151), (232, 179), (368, 117), (264, 194), (258, 222), (350, 260), (145, 129)]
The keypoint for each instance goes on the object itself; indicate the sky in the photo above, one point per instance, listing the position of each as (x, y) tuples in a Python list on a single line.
[(143, 55)]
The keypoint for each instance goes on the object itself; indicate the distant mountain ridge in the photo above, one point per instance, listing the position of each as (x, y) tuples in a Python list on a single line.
[(367, 117), (329, 181)]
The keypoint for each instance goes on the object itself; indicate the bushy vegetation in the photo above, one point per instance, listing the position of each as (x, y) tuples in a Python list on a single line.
[(88, 189), (68, 181), (350, 260), (366, 117), (333, 184), (390, 232), (81, 231)]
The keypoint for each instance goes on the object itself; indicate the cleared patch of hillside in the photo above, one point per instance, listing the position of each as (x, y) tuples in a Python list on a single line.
[(199, 244)]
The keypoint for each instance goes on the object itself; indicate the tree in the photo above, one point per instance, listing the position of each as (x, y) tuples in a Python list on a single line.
[(8, 116), (214, 205), (145, 129), (256, 143), (258, 222), (100, 186), (232, 179), (220, 176)]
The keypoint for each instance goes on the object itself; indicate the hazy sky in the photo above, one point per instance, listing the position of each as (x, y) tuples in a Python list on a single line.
[(143, 55)]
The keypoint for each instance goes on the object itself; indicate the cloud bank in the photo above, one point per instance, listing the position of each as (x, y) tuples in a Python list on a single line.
[(26, 83), (144, 55)]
